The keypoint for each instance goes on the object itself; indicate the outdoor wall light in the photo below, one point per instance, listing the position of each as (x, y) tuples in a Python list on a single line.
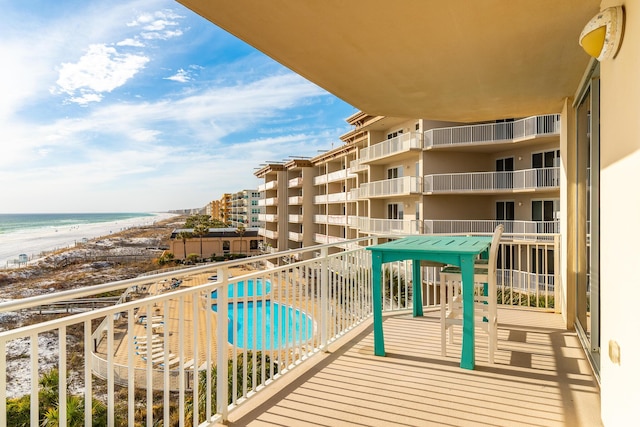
[(602, 36)]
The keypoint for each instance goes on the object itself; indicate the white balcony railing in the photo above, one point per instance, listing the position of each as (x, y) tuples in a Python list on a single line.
[(296, 237), (506, 132), (325, 295), (268, 217), (434, 226), (357, 166), (268, 185), (388, 226), (295, 182), (295, 218), (324, 238), (271, 234), (403, 186), (271, 201), (402, 143), (331, 219), (338, 175), (295, 200), (525, 179), (331, 198)]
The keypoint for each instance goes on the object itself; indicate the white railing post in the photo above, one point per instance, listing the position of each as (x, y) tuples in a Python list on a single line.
[(223, 356), (557, 291), (324, 297)]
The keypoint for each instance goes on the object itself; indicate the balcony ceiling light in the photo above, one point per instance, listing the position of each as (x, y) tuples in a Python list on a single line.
[(602, 36)]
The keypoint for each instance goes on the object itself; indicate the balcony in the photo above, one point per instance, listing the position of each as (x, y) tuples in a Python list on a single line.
[(387, 226), (295, 218), (324, 238), (295, 200), (330, 198), (402, 144), (268, 217), (403, 186), (493, 133), (338, 175), (544, 179), (270, 234), (296, 237), (295, 182), (271, 201), (357, 166), (541, 376), (268, 185), (434, 226), (331, 219)]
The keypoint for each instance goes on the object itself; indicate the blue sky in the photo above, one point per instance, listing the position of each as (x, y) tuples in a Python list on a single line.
[(123, 106)]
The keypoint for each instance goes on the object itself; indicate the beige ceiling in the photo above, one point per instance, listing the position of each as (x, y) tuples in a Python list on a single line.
[(457, 60)]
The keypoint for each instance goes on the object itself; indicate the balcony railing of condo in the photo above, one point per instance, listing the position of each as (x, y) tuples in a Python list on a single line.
[(268, 185), (213, 320), (331, 219), (271, 201), (524, 179), (391, 187), (331, 177), (444, 226), (504, 132), (388, 226), (400, 144), (331, 198), (295, 182)]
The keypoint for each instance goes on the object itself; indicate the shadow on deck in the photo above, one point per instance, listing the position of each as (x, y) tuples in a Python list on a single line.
[(541, 378)]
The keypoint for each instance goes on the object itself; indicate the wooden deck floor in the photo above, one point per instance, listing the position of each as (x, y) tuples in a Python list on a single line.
[(541, 378)]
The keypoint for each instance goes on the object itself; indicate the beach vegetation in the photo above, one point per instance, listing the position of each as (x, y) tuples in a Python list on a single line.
[(184, 236), (240, 232), (166, 258), (193, 258)]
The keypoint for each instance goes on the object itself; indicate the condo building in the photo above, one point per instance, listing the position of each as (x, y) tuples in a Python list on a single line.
[(418, 176), (245, 210)]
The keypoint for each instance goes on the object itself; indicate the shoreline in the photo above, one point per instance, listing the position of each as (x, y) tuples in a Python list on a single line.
[(39, 242)]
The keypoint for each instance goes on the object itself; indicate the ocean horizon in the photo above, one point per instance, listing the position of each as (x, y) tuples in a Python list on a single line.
[(29, 235)]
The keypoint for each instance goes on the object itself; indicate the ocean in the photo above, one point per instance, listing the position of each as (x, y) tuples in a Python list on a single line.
[(26, 236)]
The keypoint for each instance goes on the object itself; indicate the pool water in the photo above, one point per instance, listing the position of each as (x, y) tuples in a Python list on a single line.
[(252, 289), (290, 326)]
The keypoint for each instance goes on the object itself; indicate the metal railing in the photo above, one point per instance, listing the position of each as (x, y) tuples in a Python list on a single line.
[(524, 179), (399, 144), (233, 322), (331, 198), (387, 226), (435, 226), (391, 187), (505, 132)]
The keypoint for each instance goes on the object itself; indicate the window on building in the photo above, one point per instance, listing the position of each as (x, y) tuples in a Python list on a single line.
[(546, 159), (394, 134), (394, 172), (395, 211)]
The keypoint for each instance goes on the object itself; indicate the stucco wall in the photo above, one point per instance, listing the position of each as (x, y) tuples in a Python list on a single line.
[(620, 224)]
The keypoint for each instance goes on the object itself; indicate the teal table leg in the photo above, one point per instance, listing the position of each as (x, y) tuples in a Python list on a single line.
[(378, 337), (417, 289), (468, 359)]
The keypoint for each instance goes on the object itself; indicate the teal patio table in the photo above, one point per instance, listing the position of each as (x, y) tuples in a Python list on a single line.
[(454, 250)]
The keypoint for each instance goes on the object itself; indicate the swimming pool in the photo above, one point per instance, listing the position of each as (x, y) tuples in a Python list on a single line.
[(253, 288), (291, 325)]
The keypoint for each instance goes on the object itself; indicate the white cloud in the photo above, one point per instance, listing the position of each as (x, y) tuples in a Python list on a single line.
[(130, 42), (101, 69), (181, 76)]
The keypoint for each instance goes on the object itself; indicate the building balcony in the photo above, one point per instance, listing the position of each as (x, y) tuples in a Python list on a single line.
[(397, 147), (404, 186), (268, 185), (538, 361), (493, 133), (338, 175), (435, 226), (331, 219), (387, 226), (544, 179), (295, 200), (324, 238), (269, 234), (295, 218), (330, 198), (295, 182), (271, 201), (294, 236), (357, 166), (268, 217)]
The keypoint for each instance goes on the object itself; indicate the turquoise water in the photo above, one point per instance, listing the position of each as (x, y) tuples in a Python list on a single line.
[(290, 326), (252, 289), (10, 223)]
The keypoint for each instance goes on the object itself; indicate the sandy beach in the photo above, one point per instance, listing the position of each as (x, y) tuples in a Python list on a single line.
[(34, 242)]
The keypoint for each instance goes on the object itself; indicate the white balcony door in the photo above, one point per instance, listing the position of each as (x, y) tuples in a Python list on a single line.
[(505, 211), (393, 173), (395, 211), (504, 180)]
